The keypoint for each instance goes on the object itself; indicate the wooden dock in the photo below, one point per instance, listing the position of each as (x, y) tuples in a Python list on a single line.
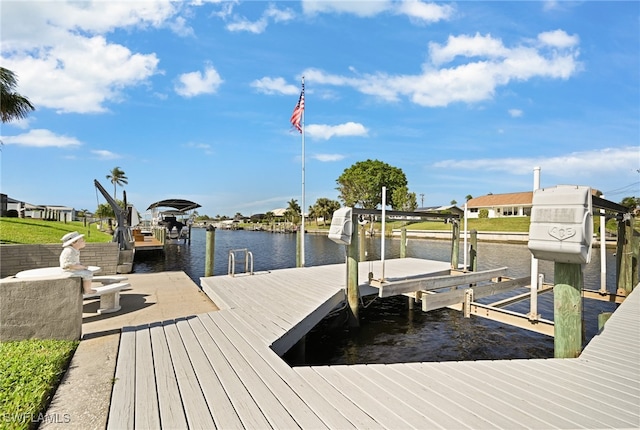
[(221, 370), (147, 243)]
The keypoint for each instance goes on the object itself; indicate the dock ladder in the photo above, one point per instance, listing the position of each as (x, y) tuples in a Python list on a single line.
[(248, 261)]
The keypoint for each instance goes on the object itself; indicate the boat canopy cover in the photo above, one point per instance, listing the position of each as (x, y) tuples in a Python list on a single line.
[(181, 205)]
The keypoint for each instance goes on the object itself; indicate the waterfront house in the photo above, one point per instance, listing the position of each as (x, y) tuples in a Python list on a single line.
[(501, 205)]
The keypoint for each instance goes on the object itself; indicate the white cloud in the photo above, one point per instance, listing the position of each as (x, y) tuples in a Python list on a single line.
[(467, 46), (515, 113), (558, 39), (326, 132), (418, 11), (41, 138), (62, 58), (196, 83), (204, 147), (328, 157), (485, 64), (576, 165), (22, 123), (427, 12), (358, 8), (104, 154), (269, 85), (272, 13)]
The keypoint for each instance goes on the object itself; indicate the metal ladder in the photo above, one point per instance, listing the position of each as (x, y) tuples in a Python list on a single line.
[(248, 261)]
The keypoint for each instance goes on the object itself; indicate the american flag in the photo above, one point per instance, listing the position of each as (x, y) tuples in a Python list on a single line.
[(296, 116)]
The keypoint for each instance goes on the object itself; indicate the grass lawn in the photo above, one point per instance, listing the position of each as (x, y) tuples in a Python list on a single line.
[(31, 231), (30, 371)]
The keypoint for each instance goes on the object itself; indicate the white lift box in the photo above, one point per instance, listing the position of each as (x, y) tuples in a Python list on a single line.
[(341, 226), (561, 228)]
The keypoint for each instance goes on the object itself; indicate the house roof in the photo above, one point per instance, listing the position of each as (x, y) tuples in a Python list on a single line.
[(279, 211), (509, 199), (451, 208)]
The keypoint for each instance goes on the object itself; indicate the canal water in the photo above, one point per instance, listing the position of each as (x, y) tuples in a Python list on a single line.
[(391, 330)]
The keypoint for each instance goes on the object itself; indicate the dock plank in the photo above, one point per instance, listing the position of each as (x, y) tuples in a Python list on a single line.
[(122, 407), (223, 412), (169, 400), (195, 406), (259, 361), (146, 406), (270, 403), (223, 370), (367, 400), (316, 395), (239, 396)]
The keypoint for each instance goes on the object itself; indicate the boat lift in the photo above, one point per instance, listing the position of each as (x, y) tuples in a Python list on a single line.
[(122, 233), (460, 288)]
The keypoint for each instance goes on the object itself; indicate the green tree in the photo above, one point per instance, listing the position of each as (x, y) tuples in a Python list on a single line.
[(469, 197), (313, 213), (293, 212), (13, 106), (324, 208), (117, 177), (630, 202), (404, 200), (361, 184), (268, 217)]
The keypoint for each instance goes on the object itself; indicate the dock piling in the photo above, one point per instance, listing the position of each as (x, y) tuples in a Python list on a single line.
[(567, 310), (210, 250), (403, 242), (353, 293), (455, 244)]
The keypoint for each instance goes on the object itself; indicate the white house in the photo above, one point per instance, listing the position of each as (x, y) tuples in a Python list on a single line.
[(501, 205)]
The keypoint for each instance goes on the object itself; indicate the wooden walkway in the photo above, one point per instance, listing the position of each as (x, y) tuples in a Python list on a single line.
[(217, 370)]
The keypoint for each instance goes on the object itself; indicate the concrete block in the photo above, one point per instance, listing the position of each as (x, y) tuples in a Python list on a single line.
[(40, 308)]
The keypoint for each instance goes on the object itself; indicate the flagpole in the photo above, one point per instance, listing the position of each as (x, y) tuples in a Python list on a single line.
[(303, 204)]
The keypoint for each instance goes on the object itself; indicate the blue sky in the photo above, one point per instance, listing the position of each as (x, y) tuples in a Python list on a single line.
[(192, 100)]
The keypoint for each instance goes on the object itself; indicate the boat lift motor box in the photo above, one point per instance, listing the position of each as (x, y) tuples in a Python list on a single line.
[(341, 226), (561, 227)]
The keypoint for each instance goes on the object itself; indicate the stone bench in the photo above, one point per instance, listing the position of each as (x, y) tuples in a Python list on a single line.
[(109, 296), (108, 290)]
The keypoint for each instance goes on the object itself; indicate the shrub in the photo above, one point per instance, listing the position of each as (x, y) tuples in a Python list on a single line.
[(484, 213)]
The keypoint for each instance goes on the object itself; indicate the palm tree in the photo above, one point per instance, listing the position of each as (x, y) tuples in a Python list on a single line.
[(326, 208), (117, 177), (293, 211), (313, 213), (13, 106)]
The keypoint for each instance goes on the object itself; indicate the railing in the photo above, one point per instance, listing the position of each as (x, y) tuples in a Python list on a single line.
[(248, 261)]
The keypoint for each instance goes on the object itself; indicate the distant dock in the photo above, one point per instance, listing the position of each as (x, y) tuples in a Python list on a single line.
[(148, 243), (223, 369)]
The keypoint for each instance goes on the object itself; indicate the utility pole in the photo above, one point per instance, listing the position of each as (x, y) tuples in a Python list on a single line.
[(422, 200)]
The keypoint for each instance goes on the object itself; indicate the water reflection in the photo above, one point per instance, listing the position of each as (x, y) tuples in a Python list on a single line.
[(391, 330)]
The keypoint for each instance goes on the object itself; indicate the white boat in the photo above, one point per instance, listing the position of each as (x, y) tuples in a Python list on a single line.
[(175, 216)]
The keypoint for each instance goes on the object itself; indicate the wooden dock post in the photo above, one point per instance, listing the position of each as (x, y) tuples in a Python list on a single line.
[(473, 251), (298, 249), (567, 310), (403, 242), (455, 244), (626, 256), (353, 293), (363, 245), (210, 250)]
